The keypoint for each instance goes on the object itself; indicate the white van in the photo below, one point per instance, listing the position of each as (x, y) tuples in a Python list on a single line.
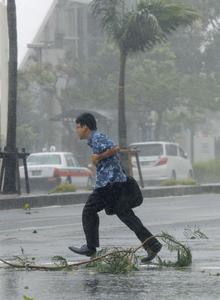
[(160, 161)]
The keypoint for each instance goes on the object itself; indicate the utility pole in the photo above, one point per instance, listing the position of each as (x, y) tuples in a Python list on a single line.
[(9, 161)]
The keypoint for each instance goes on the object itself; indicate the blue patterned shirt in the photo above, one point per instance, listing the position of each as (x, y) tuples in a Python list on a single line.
[(108, 170)]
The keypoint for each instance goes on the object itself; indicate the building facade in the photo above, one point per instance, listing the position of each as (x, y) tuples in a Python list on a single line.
[(3, 72), (67, 29), (68, 32)]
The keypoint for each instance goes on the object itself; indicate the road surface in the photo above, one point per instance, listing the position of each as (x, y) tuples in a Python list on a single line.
[(47, 232)]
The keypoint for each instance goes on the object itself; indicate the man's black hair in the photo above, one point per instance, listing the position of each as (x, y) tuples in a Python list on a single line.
[(88, 120)]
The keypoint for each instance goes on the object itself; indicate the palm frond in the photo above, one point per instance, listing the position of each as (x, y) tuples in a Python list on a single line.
[(169, 15), (143, 26), (140, 31), (110, 14)]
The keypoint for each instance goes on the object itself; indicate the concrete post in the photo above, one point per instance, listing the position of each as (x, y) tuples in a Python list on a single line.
[(3, 72)]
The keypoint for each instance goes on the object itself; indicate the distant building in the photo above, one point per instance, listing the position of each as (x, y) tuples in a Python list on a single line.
[(67, 29), (3, 72)]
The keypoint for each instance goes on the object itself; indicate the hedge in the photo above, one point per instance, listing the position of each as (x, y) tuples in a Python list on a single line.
[(207, 172)]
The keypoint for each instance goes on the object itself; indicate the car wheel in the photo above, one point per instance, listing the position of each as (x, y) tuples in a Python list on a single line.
[(173, 175), (190, 174)]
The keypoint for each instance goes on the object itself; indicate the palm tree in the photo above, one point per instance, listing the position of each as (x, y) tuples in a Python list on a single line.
[(136, 29), (10, 161)]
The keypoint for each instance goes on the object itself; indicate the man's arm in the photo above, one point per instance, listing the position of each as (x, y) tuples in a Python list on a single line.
[(95, 158)]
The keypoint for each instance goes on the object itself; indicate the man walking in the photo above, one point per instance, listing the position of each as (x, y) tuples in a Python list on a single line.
[(112, 187)]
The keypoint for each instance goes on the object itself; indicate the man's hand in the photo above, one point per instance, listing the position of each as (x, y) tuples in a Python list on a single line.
[(95, 158)]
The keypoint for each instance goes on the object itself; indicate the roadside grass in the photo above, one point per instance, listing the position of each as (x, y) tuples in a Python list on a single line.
[(63, 188), (171, 182), (27, 298), (206, 172)]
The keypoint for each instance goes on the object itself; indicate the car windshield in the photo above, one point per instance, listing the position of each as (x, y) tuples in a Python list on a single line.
[(50, 159), (149, 149)]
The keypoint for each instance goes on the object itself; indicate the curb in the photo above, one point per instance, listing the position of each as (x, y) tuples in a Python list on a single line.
[(43, 200), (181, 190), (16, 201)]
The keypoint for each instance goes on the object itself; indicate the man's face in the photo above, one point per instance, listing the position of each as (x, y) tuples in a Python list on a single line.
[(82, 131)]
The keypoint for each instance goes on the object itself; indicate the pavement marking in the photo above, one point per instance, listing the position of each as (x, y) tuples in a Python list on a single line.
[(40, 227), (210, 268)]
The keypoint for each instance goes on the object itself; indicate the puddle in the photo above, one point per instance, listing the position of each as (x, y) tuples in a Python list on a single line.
[(86, 284)]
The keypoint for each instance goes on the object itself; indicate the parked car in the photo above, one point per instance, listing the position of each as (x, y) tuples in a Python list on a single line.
[(48, 169), (160, 161)]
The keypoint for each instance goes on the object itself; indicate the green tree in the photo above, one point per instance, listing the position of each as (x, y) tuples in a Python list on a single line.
[(71, 84), (208, 9), (197, 48), (10, 162), (33, 107), (199, 95), (41, 96), (138, 29), (153, 84), (211, 53), (96, 79), (28, 115)]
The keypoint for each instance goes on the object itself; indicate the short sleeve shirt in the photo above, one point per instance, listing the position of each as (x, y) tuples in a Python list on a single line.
[(108, 170)]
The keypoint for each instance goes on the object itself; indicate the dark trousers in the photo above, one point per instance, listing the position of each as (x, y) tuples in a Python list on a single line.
[(98, 201)]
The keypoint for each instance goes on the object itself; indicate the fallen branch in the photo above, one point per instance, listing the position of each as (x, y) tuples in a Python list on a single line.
[(126, 259), (33, 267), (57, 268)]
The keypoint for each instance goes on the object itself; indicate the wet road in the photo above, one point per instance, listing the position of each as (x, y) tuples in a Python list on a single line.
[(58, 227)]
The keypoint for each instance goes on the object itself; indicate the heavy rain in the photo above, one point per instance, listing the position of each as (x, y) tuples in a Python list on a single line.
[(149, 73)]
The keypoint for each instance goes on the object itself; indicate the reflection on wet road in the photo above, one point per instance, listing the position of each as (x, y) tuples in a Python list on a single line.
[(144, 284)]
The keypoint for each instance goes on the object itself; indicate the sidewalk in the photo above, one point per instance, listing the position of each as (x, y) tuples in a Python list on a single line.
[(15, 201)]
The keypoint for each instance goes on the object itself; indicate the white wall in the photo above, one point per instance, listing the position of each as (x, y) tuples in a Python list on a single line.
[(204, 148), (3, 73)]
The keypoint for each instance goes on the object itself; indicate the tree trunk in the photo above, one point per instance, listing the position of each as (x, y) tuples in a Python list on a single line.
[(158, 126), (122, 125), (192, 132), (10, 162)]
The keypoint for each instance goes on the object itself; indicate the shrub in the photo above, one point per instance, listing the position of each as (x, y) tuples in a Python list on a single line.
[(206, 172), (27, 298), (170, 182), (64, 188)]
